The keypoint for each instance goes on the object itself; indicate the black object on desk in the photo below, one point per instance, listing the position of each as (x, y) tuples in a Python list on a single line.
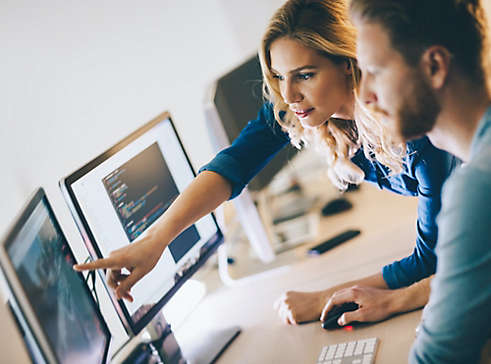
[(331, 243), (142, 354), (335, 206), (331, 321), (352, 187)]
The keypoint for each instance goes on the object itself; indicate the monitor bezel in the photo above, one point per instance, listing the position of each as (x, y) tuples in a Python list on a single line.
[(131, 327), (17, 291)]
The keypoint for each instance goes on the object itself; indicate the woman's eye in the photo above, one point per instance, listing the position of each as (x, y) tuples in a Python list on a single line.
[(305, 76), (278, 77)]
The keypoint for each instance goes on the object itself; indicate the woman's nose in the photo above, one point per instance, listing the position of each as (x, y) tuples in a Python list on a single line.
[(290, 93)]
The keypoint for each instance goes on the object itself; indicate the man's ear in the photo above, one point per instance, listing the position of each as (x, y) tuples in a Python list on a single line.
[(435, 63)]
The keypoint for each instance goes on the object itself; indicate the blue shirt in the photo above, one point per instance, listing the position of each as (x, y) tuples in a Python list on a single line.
[(424, 173), (457, 320)]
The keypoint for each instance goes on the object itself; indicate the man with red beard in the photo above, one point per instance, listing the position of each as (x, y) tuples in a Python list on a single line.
[(423, 70)]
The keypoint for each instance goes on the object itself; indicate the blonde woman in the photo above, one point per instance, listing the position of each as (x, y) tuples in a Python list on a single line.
[(311, 81)]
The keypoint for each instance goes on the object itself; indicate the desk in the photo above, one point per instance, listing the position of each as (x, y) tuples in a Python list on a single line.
[(12, 346), (387, 222)]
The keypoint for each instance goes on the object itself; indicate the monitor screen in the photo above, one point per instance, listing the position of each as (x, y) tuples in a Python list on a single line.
[(54, 299), (237, 98), (116, 197)]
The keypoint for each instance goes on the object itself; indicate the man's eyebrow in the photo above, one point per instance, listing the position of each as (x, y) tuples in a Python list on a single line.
[(301, 68)]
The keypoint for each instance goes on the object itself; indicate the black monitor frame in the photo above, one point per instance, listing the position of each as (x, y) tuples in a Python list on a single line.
[(19, 296), (131, 327)]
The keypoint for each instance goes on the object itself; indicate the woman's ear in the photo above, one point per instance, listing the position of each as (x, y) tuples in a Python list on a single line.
[(347, 67)]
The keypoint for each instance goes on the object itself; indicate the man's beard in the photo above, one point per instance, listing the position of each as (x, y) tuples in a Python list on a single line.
[(418, 112)]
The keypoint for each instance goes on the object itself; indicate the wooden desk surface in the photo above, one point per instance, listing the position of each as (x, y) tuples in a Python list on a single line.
[(12, 347), (387, 222)]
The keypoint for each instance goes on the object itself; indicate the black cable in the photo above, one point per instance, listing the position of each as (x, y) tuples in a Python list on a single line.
[(92, 276)]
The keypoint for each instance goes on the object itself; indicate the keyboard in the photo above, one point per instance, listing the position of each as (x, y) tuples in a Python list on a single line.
[(353, 352)]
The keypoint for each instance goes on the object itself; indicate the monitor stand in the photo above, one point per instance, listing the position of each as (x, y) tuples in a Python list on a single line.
[(199, 348)]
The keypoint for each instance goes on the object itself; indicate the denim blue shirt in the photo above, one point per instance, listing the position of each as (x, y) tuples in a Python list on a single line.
[(456, 321), (424, 173)]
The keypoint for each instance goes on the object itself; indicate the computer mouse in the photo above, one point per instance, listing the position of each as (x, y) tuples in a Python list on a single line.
[(331, 321), (335, 206)]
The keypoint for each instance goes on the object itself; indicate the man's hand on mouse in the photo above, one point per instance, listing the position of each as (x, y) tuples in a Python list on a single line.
[(376, 304)]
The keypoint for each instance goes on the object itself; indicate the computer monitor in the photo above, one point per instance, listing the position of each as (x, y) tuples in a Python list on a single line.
[(231, 102), (52, 301), (234, 99), (117, 196)]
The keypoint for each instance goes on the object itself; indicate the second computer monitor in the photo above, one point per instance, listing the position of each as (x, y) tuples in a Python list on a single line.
[(53, 304), (117, 196)]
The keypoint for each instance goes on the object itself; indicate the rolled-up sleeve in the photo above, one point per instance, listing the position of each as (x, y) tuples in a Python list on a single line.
[(255, 146)]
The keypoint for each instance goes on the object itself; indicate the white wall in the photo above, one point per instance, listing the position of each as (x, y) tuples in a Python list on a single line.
[(77, 76)]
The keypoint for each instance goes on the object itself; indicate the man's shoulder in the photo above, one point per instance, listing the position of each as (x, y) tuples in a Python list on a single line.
[(478, 170), (469, 182), (463, 222), (481, 156), (466, 195)]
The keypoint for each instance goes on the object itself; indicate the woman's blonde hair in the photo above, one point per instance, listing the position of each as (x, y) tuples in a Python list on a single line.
[(323, 25)]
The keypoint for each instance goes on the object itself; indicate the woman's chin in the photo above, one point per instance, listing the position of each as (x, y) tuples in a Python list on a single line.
[(310, 124)]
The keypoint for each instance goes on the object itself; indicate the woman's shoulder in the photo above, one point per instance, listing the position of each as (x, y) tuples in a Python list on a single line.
[(428, 163), (421, 145), (422, 151)]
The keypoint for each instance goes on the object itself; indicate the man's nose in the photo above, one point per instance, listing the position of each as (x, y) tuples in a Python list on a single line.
[(367, 95)]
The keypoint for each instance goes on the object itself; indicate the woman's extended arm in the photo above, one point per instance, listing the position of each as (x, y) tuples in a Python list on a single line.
[(223, 178), (207, 191)]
